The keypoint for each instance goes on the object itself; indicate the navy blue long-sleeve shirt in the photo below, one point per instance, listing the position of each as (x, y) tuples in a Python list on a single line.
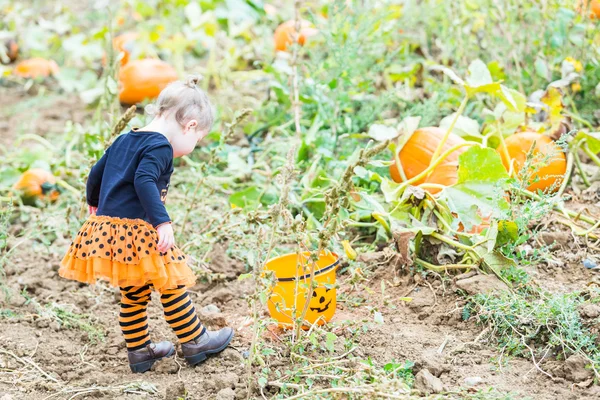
[(131, 180)]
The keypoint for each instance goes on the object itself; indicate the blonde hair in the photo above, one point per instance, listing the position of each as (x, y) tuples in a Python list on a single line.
[(187, 101)]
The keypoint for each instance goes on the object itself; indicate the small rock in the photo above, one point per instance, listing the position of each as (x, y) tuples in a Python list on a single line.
[(589, 264), (481, 284), (112, 351), (225, 380), (473, 380), (590, 311), (560, 238), (241, 394), (575, 370), (175, 391), (226, 394), (55, 326), (431, 360), (167, 366), (17, 300), (210, 309), (215, 320), (231, 355), (43, 323), (426, 383), (421, 300), (245, 354), (370, 258)]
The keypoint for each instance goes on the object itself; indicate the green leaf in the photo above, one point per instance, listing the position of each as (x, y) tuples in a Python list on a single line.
[(541, 68), (193, 13), (449, 73), (495, 261), (111, 85), (480, 164), (508, 232), (506, 95), (330, 338), (246, 198), (480, 80), (479, 75), (243, 277), (592, 139), (381, 133), (390, 190), (471, 201), (378, 317), (465, 127), (262, 381)]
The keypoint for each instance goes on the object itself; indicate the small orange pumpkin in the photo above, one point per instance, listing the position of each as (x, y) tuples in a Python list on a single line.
[(12, 49), (548, 174), (594, 8), (123, 43), (144, 79), (416, 156), (36, 67), (37, 183), (284, 34)]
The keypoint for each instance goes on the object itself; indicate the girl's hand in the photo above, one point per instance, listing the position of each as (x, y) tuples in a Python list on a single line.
[(166, 238), (92, 210)]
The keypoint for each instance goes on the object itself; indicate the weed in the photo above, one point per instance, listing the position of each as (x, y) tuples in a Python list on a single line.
[(538, 325)]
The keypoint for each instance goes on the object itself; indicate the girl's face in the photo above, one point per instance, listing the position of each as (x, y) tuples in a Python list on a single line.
[(186, 137)]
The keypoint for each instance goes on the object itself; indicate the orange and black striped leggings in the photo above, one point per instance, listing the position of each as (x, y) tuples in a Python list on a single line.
[(179, 313)]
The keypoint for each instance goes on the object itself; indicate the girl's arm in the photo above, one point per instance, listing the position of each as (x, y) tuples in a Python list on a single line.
[(95, 180), (153, 164)]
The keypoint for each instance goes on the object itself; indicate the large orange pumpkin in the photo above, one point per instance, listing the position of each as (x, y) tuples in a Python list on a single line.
[(36, 68), (416, 155), (548, 172), (284, 34), (37, 183), (123, 43), (144, 79)]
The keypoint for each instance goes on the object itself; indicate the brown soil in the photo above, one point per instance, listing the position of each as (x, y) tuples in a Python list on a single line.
[(22, 113), (428, 330)]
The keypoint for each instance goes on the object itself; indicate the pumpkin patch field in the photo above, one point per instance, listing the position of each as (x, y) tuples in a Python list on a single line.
[(399, 199)]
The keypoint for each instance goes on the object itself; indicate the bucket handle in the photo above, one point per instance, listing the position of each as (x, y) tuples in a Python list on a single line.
[(319, 272)]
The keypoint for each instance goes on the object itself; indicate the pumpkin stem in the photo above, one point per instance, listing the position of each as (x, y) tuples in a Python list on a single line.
[(441, 144), (591, 154), (505, 153), (451, 242), (399, 164), (433, 165), (580, 167), (37, 138), (443, 268), (567, 175), (60, 182)]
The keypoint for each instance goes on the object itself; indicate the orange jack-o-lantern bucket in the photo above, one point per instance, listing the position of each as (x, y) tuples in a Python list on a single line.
[(288, 296)]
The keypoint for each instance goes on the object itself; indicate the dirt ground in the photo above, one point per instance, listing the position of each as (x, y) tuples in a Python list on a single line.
[(39, 359), (412, 331)]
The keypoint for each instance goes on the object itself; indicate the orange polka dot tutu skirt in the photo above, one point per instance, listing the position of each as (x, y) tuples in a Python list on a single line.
[(124, 252)]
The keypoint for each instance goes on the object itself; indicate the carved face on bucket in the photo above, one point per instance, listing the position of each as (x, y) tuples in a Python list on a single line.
[(321, 300)]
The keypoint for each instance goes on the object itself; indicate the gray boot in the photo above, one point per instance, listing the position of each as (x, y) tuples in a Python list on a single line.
[(211, 342)]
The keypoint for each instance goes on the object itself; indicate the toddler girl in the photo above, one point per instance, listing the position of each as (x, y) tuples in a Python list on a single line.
[(128, 238)]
